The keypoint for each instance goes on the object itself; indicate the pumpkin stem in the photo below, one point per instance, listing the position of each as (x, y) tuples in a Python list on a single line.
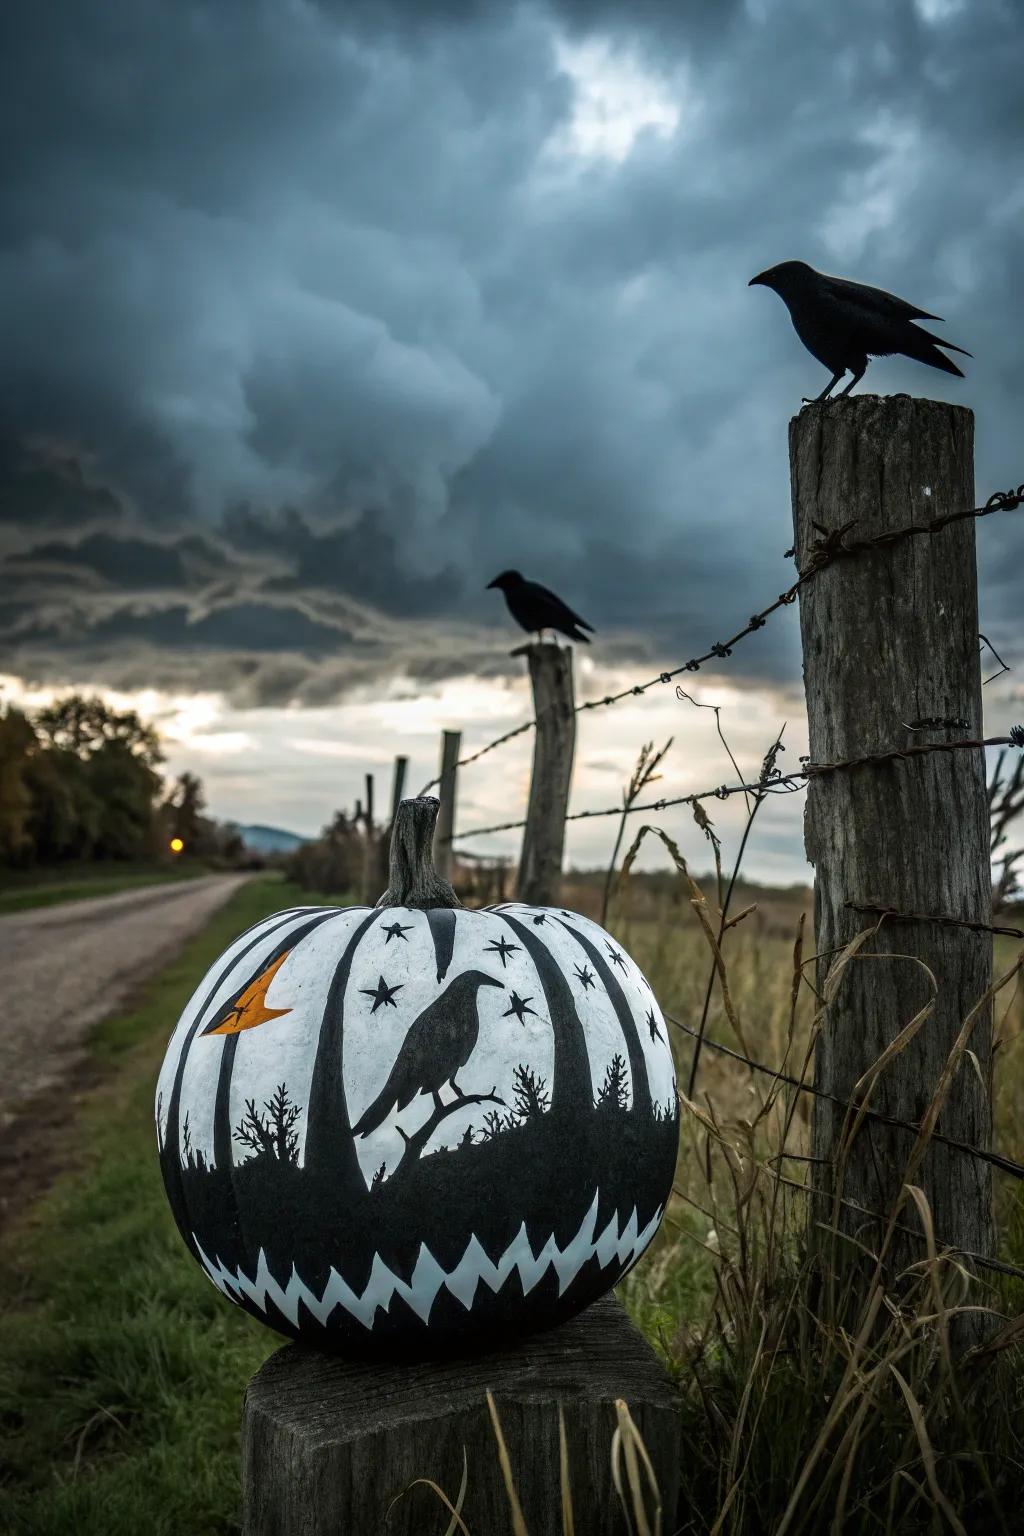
[(412, 879)]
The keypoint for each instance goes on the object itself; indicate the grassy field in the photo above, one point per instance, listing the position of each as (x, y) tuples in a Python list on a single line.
[(22, 890), (122, 1369)]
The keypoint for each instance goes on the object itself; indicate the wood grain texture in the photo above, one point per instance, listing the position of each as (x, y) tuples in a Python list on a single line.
[(554, 701), (327, 1444), (890, 638)]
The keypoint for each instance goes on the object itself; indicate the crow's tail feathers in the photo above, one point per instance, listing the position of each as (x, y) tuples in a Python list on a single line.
[(924, 348), (376, 1113), (576, 633)]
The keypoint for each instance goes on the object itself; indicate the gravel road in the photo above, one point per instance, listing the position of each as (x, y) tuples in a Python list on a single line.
[(64, 968)]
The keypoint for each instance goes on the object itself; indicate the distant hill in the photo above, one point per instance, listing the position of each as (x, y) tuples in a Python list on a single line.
[(271, 839)]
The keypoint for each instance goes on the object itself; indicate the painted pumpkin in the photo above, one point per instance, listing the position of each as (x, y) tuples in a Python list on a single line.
[(416, 1126)]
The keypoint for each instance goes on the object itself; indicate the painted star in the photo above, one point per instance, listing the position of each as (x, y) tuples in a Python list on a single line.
[(519, 1008), (382, 994), (652, 1025), (395, 931), (501, 947), (615, 957), (586, 977)]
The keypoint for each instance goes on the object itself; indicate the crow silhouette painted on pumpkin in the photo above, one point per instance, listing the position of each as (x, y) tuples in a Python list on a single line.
[(439, 1043), (481, 1122)]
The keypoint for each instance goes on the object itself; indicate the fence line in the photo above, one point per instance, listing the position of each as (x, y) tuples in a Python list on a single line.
[(782, 783), (872, 909), (832, 545), (1005, 1164)]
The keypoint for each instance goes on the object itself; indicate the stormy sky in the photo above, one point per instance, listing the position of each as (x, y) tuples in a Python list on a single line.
[(317, 315)]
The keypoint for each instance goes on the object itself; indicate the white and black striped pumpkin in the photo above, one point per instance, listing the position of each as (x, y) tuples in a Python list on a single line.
[(415, 1125)]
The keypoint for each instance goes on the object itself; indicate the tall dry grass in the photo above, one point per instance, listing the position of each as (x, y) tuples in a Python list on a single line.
[(820, 1391), (823, 1388)]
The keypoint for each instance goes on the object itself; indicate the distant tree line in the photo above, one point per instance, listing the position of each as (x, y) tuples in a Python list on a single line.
[(337, 863), (334, 863), (79, 781)]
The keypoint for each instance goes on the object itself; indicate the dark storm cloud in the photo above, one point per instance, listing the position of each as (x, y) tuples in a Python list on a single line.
[(361, 558), (365, 263), (130, 563), (46, 487)]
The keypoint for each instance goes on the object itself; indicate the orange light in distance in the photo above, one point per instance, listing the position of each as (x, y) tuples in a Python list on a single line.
[(177, 846)]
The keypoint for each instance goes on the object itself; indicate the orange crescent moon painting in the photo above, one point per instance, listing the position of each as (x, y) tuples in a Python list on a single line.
[(250, 1007)]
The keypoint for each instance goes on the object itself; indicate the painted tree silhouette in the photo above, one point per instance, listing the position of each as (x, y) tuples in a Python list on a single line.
[(495, 1122), (530, 1092), (194, 1160), (271, 1134), (612, 1094)]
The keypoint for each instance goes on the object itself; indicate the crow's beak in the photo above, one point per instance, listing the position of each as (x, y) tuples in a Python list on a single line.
[(760, 278), (491, 584), (492, 981)]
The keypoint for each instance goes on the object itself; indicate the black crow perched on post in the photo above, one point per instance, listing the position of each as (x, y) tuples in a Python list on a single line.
[(438, 1045), (842, 324), (537, 609)]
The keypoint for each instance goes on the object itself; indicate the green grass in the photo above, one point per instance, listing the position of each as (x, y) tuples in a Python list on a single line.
[(52, 888), (121, 1368)]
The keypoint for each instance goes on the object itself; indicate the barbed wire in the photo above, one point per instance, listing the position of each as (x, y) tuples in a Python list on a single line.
[(830, 545), (464, 762), (1006, 1165), (873, 909), (983, 1261), (778, 783), (895, 754)]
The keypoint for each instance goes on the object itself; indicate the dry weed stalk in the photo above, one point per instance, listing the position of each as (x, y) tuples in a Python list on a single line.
[(644, 774), (632, 1473)]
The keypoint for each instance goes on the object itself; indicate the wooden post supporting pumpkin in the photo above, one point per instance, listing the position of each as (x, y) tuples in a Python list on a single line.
[(444, 854), (554, 701), (890, 639), (329, 1445)]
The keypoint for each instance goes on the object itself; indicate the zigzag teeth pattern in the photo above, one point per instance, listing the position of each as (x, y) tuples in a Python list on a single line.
[(428, 1278)]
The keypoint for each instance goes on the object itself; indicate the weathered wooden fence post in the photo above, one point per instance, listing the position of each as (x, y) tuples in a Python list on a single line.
[(554, 702), (397, 789), (890, 639), (329, 1444), (370, 877), (444, 853), (384, 841)]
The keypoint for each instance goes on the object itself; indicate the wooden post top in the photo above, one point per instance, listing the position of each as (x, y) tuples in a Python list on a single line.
[(328, 1444), (540, 647)]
